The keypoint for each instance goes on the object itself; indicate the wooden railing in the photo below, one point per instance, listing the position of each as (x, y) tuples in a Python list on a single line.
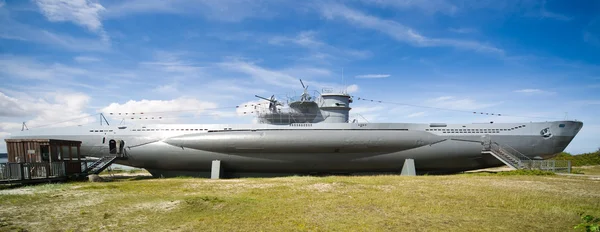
[(30, 171)]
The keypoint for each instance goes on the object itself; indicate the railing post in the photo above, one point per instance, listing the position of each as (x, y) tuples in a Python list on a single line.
[(22, 171), (64, 171)]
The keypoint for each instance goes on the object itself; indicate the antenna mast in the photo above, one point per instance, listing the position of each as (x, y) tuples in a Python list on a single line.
[(103, 118), (343, 81)]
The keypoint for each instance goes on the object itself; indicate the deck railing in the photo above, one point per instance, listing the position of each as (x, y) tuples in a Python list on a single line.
[(30, 171)]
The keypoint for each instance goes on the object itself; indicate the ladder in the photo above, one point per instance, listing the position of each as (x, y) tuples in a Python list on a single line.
[(516, 160), (99, 165), (508, 155)]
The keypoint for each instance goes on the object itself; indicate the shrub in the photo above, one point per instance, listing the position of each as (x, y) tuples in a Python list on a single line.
[(592, 158), (589, 223), (524, 172)]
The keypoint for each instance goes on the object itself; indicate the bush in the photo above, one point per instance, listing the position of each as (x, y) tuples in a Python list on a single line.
[(589, 223), (592, 158), (524, 172)]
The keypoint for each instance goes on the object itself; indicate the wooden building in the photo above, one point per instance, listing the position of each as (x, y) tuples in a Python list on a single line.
[(46, 151)]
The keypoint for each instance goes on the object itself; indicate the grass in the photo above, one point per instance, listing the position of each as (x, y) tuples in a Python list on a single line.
[(467, 202), (120, 171), (587, 170)]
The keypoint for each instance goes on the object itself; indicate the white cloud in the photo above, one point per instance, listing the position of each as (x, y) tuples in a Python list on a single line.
[(2, 3), (462, 30), (373, 76), (50, 109), (545, 13), (533, 91), (400, 32), (366, 113), (279, 78), (308, 40), (591, 32), (588, 102), (10, 107), (81, 12), (157, 110), (260, 74), (172, 62), (23, 67), (227, 11), (430, 6), (453, 103), (443, 98), (352, 89), (305, 39), (417, 114), (86, 59), (10, 126), (15, 30), (304, 71), (166, 89), (528, 91)]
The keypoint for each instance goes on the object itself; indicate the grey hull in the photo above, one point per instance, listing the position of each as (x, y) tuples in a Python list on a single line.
[(317, 148)]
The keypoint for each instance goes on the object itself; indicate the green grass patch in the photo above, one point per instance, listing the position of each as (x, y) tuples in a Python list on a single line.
[(587, 170), (492, 202), (121, 171), (519, 172)]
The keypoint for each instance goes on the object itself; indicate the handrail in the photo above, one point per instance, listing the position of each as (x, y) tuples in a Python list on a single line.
[(514, 151)]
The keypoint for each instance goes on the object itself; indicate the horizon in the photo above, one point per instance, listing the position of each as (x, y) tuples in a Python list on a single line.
[(194, 61)]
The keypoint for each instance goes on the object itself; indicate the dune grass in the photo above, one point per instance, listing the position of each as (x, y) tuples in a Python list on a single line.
[(587, 170), (469, 202)]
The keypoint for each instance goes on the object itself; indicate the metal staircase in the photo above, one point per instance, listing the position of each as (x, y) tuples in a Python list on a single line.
[(99, 165), (507, 155), (516, 160)]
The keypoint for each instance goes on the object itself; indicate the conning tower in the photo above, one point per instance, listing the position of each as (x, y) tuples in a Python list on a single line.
[(335, 107)]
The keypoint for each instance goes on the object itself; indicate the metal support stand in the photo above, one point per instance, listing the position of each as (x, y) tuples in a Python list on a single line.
[(409, 168), (215, 172)]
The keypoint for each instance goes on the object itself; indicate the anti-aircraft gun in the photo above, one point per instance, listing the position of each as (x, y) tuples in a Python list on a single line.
[(300, 110), (328, 108)]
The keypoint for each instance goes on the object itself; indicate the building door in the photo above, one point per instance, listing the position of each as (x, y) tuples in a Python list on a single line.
[(45, 151)]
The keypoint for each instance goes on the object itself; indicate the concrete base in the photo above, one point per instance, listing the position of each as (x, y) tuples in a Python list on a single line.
[(215, 172), (95, 178), (409, 168)]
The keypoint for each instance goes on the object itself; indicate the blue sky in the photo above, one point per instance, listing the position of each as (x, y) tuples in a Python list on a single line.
[(528, 60)]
